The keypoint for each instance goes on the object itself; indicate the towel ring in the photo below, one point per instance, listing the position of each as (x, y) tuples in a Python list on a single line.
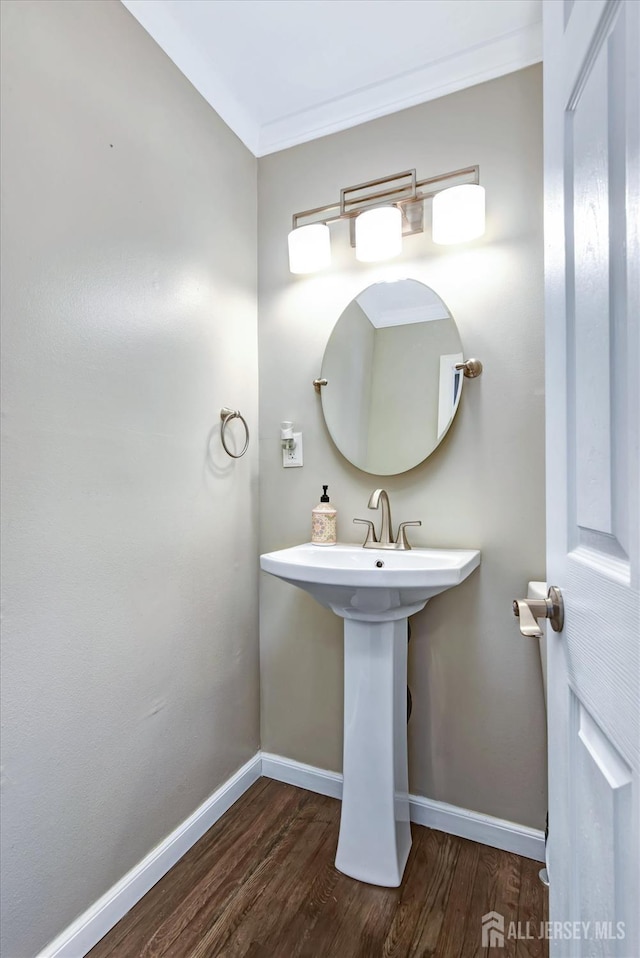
[(226, 415)]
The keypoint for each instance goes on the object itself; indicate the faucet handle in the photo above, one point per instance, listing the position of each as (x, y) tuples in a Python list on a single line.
[(371, 532), (401, 539)]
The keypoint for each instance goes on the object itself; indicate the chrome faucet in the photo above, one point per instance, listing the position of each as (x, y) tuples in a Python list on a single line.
[(380, 499)]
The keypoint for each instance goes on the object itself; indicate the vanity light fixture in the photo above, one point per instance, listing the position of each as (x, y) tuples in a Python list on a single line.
[(378, 234), (458, 214), (380, 212), (309, 248)]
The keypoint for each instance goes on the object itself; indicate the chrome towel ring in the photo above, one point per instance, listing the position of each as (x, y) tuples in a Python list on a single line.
[(226, 415)]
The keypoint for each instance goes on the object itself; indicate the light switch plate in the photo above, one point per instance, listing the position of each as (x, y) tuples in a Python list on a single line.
[(293, 457)]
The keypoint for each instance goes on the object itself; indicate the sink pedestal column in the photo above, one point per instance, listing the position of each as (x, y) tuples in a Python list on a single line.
[(375, 833), (374, 592)]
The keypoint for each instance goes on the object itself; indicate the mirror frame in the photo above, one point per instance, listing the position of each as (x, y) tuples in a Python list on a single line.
[(448, 388)]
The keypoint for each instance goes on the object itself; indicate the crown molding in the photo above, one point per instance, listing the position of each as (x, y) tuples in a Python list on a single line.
[(496, 58), (485, 61)]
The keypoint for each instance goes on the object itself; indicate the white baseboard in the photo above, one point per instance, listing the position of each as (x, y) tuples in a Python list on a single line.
[(87, 930), (477, 827), (496, 832), (96, 921), (304, 776)]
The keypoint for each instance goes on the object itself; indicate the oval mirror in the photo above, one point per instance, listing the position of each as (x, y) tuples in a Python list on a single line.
[(392, 388)]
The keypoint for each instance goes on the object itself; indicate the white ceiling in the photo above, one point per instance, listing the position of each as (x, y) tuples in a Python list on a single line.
[(401, 304), (280, 72)]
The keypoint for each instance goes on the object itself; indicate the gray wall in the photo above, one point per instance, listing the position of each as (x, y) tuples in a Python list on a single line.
[(477, 736), (130, 669)]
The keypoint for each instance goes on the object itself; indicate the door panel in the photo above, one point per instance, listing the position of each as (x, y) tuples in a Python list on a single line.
[(592, 207), (602, 789), (597, 315)]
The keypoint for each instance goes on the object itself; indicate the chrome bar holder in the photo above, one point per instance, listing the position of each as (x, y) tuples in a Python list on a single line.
[(472, 368)]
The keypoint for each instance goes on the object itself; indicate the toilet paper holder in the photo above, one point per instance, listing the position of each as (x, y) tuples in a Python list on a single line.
[(529, 610)]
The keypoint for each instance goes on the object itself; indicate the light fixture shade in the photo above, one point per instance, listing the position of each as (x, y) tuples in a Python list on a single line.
[(309, 248), (378, 234), (458, 214)]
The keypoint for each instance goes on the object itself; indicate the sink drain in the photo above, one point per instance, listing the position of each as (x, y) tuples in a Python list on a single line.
[(379, 564)]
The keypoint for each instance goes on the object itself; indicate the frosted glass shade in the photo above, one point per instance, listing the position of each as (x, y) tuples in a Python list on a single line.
[(458, 214), (378, 234), (309, 248)]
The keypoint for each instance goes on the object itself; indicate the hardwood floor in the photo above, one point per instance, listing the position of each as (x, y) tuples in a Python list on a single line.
[(262, 884)]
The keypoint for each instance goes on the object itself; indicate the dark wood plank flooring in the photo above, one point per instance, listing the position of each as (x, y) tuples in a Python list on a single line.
[(262, 884)]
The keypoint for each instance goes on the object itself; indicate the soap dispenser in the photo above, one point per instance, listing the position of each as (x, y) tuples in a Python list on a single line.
[(323, 522)]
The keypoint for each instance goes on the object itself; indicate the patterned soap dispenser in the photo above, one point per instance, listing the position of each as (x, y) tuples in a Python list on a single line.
[(323, 522)]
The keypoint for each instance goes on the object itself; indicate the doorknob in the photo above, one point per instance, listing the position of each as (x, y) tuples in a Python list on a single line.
[(551, 608)]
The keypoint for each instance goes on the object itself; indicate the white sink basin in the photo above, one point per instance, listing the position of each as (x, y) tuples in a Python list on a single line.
[(371, 584), (373, 590)]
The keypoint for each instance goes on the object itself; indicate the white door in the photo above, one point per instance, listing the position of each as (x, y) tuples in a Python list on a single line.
[(592, 223)]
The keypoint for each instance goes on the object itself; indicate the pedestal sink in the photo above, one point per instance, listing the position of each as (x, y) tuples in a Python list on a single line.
[(374, 591)]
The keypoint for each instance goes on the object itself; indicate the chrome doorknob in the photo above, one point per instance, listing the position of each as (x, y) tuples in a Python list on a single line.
[(529, 610)]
